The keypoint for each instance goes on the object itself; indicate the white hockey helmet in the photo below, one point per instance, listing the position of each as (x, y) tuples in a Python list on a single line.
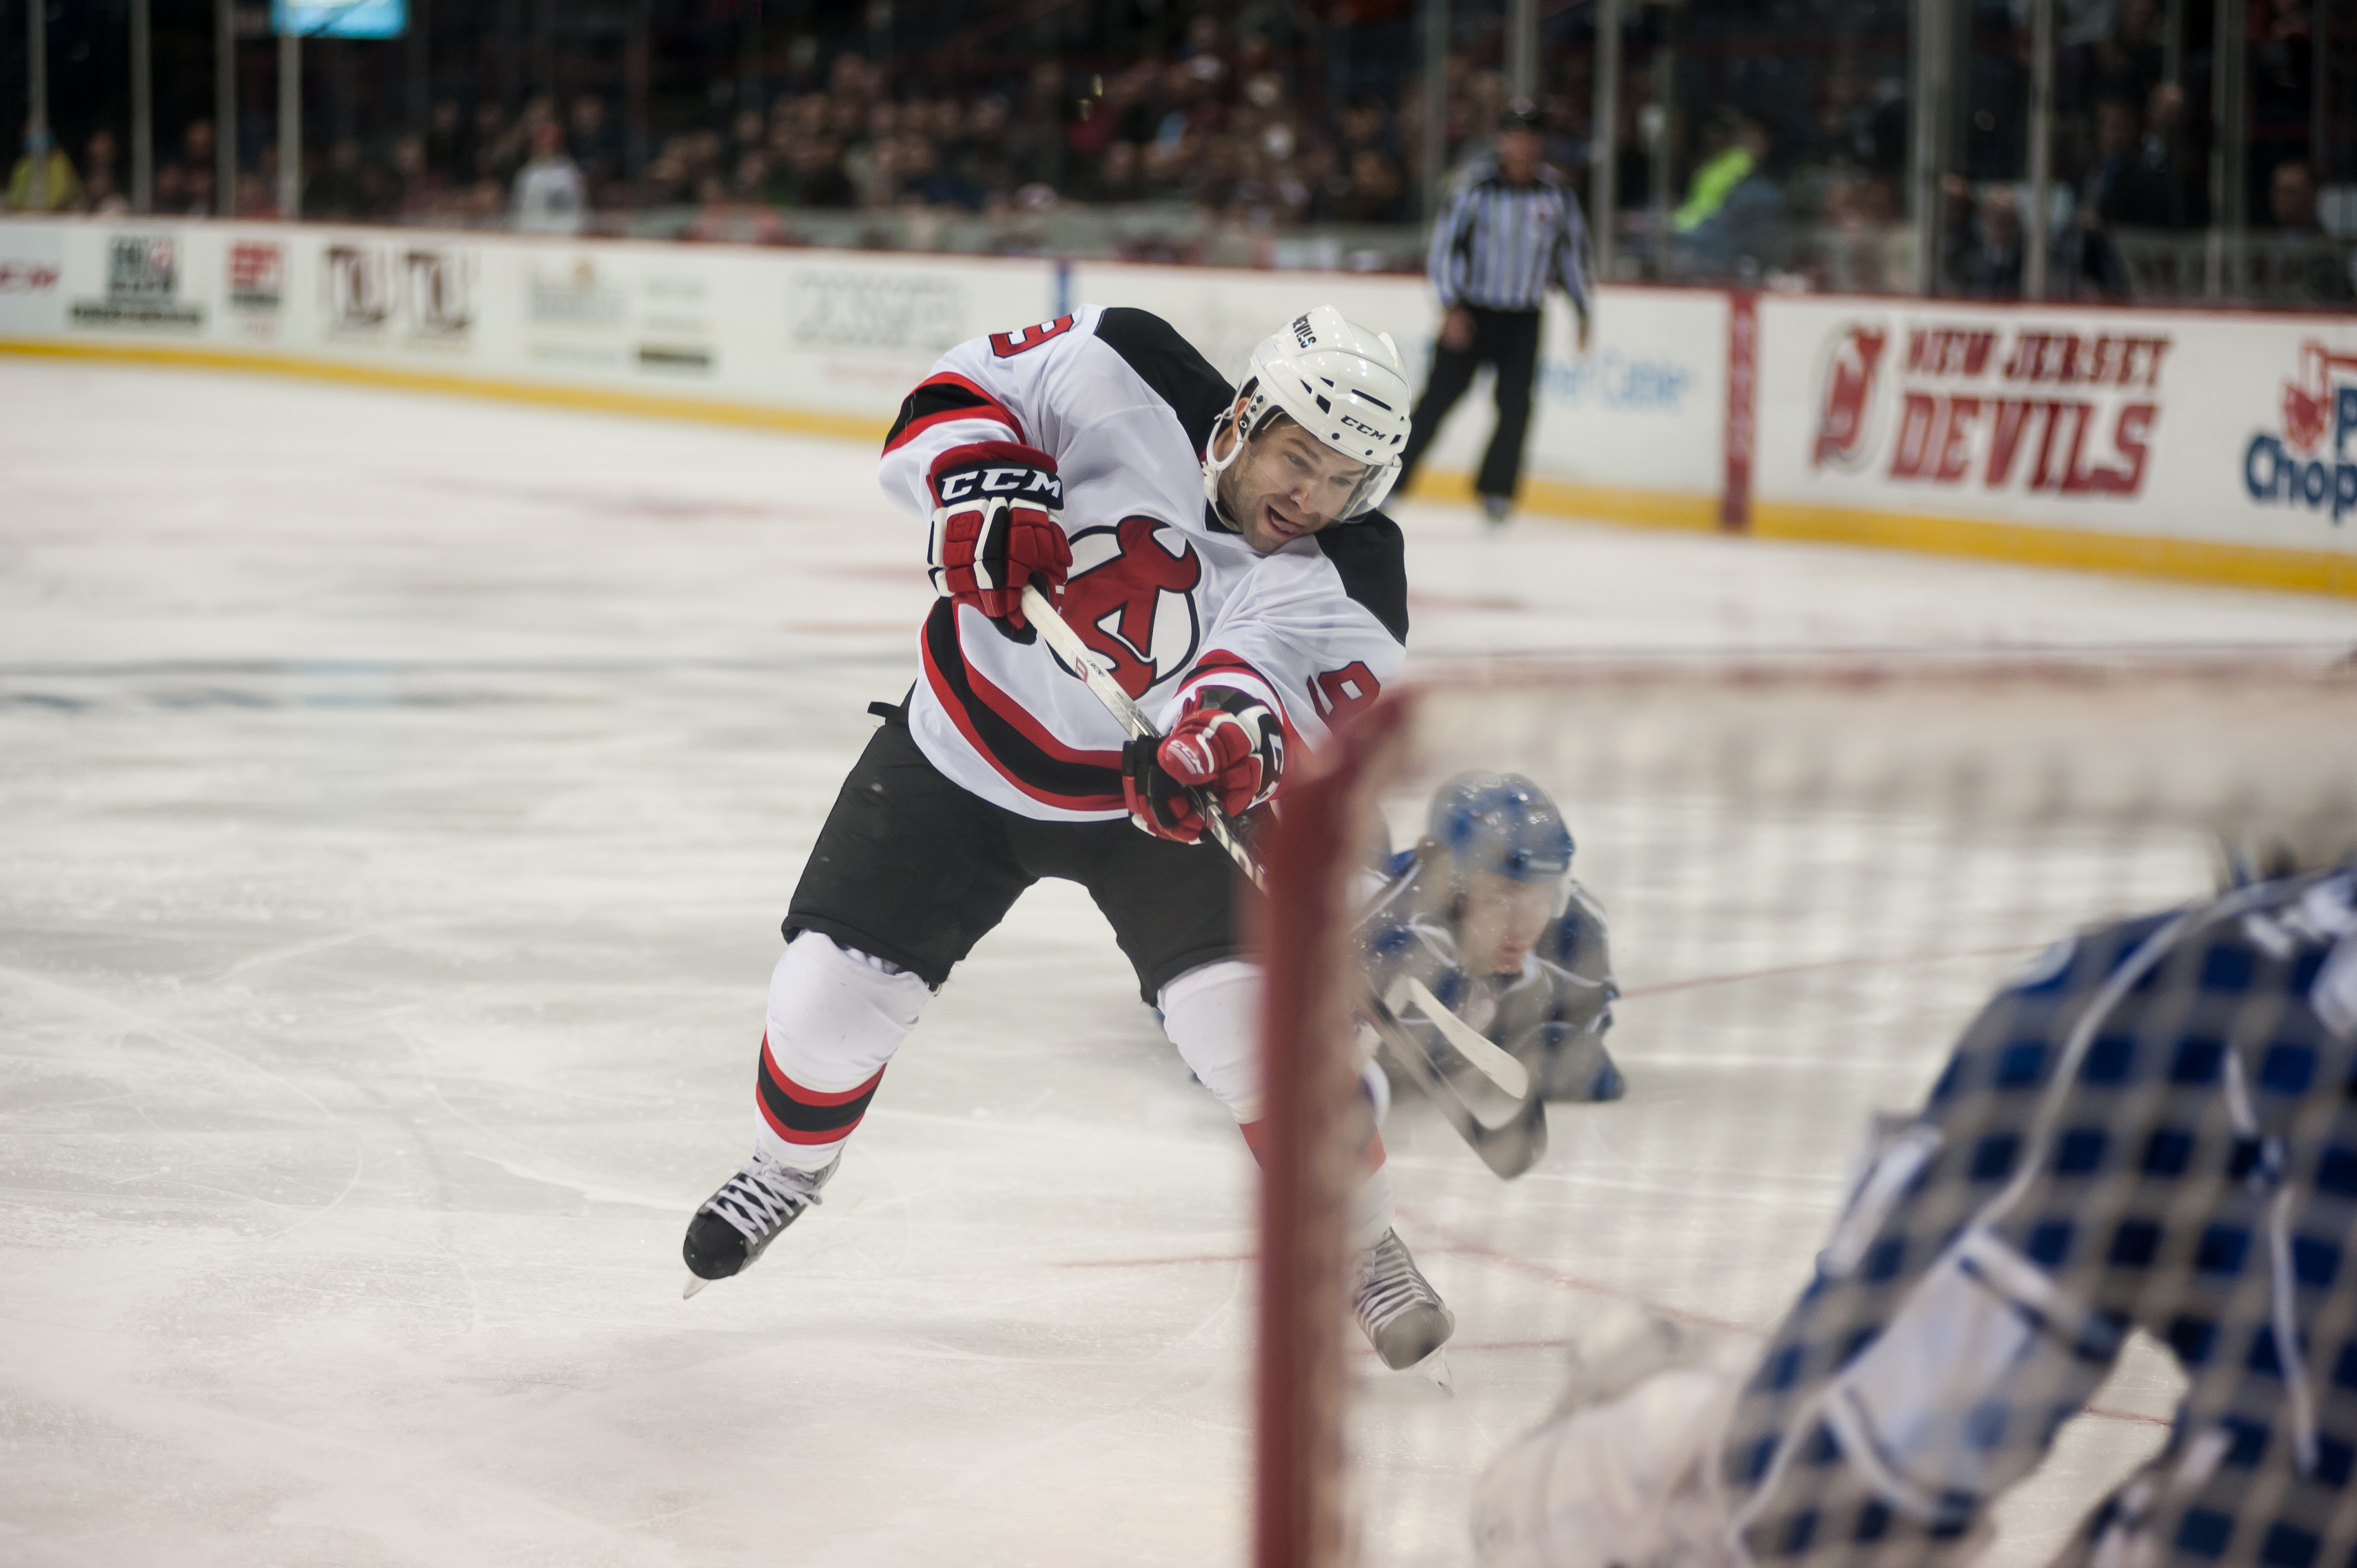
[(1343, 385)]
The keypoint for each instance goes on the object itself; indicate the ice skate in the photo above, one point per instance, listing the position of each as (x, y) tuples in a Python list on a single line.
[(745, 1216), (1404, 1318)]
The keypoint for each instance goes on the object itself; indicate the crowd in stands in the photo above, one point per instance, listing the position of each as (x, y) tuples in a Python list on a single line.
[(1803, 185), (1217, 128), (2132, 163)]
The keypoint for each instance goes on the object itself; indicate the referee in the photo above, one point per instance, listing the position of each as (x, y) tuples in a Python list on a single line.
[(1507, 233)]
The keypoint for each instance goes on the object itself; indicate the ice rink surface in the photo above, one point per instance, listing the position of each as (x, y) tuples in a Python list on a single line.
[(398, 798)]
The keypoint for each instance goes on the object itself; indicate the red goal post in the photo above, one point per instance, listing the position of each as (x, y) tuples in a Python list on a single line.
[(1820, 860)]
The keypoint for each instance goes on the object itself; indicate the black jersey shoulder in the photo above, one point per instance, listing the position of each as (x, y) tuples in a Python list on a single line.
[(1166, 362), (1371, 557)]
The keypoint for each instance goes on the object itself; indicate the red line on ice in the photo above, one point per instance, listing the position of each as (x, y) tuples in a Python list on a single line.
[(1864, 962)]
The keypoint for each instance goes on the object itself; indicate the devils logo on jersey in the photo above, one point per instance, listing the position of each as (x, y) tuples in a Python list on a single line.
[(1131, 597)]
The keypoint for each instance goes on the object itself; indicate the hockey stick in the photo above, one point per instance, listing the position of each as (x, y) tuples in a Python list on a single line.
[(1508, 1149), (1493, 1064), (1090, 667), (1475, 1046)]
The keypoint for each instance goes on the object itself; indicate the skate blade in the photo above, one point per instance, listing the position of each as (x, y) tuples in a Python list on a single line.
[(1434, 1366), (694, 1282)]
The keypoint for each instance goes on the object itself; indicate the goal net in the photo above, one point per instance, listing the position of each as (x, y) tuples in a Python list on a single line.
[(1813, 874)]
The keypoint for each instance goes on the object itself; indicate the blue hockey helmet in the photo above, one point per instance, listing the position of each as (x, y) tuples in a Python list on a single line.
[(1500, 822)]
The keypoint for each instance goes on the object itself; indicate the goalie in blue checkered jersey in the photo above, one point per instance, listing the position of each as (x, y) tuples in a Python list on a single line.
[(2155, 1129), (1483, 913)]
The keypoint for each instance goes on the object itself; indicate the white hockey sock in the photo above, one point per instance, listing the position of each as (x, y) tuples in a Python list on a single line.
[(835, 1018), (1211, 1014)]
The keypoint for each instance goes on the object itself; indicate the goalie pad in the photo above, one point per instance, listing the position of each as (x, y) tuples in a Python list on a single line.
[(1630, 1481), (1952, 1403)]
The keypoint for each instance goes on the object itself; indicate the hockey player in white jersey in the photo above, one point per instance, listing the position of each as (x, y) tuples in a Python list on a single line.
[(1221, 548)]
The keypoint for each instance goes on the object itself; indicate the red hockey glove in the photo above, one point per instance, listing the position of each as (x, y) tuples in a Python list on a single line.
[(1227, 744), (995, 528)]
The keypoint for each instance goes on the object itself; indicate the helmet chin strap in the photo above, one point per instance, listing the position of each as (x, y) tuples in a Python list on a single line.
[(1215, 466)]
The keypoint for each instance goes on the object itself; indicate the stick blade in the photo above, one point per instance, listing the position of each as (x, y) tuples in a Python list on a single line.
[(1485, 1057)]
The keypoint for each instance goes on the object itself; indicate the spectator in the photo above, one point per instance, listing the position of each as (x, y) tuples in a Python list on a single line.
[(99, 191), (1984, 255), (1742, 230), (1122, 176), (981, 158), (1564, 144), (2169, 197), (198, 148), (2282, 82), (2291, 198), (595, 145), (550, 195), (1372, 190), (1035, 143), (2128, 183), (415, 186), (337, 192), (2117, 188), (1853, 224), (449, 143), (1862, 125), (819, 179), (61, 186), (2310, 268), (2130, 59), (257, 198), (1727, 160), (924, 181), (498, 148)]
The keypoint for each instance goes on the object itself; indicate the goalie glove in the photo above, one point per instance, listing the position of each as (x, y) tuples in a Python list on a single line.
[(1227, 744), (996, 527)]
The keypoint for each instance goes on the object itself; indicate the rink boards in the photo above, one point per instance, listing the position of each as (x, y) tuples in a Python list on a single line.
[(2218, 446)]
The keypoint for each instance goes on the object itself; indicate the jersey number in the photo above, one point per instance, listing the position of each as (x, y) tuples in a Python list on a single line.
[(1342, 692), (1006, 345)]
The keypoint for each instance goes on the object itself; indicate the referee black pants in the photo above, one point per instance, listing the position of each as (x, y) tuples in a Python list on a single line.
[(1508, 339)]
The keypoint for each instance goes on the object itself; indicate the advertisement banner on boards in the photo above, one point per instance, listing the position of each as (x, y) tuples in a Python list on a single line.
[(2235, 430), (143, 284), (32, 281), (837, 336)]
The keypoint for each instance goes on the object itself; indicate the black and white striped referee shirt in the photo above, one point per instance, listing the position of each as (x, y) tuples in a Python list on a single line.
[(1498, 246)]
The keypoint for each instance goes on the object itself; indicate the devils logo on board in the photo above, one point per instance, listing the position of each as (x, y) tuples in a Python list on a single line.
[(1131, 597), (1845, 395)]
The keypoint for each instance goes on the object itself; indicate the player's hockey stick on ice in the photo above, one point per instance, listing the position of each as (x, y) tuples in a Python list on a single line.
[(1097, 674)]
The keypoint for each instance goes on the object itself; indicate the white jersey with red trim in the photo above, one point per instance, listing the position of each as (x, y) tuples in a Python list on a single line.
[(1171, 595)]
